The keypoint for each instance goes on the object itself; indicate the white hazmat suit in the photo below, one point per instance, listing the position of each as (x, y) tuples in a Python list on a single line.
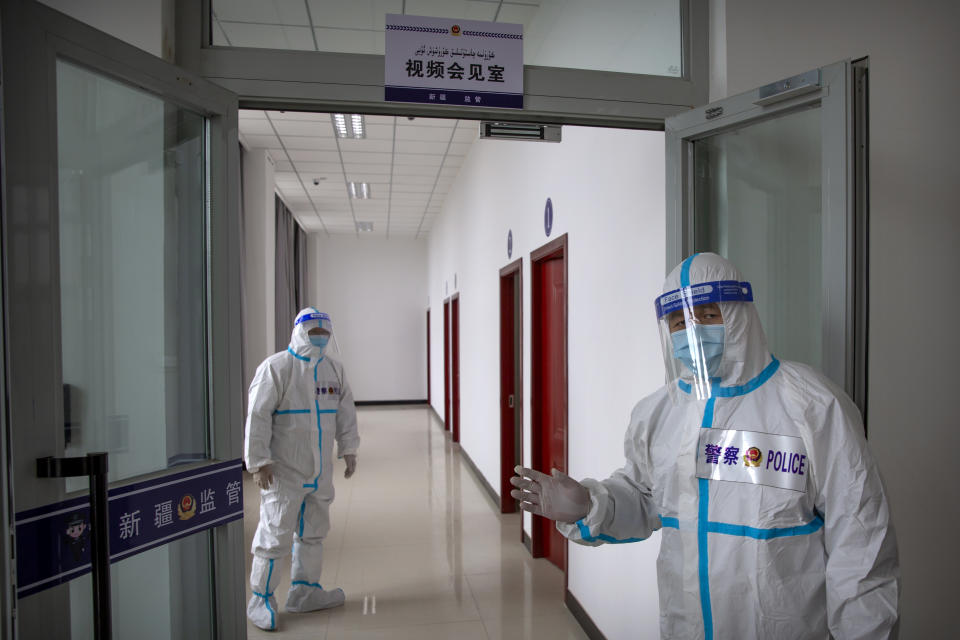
[(773, 515), (299, 403)]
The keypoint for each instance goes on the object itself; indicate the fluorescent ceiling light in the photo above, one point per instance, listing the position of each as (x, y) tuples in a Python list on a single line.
[(349, 126), (359, 190), (365, 227)]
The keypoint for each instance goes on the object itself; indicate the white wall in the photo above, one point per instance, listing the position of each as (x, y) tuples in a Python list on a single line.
[(375, 291), (914, 233), (260, 248), (607, 189)]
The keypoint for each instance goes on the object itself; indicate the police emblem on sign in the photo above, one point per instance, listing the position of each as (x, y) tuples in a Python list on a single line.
[(187, 507)]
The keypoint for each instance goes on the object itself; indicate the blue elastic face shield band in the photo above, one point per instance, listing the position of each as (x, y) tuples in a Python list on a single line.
[(703, 293)]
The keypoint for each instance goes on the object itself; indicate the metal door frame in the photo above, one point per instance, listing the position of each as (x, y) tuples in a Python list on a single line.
[(843, 214), (34, 37), (324, 81)]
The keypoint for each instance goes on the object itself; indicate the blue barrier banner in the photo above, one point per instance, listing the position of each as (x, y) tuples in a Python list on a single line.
[(54, 541)]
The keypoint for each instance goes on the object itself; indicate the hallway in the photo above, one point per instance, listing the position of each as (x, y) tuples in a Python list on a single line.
[(420, 549)]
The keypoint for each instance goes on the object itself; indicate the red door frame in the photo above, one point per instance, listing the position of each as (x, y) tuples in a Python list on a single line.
[(455, 363), (428, 356), (555, 249), (511, 378), (446, 364)]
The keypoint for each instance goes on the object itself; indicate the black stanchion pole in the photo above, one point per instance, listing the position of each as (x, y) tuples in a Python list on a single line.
[(99, 510), (94, 466)]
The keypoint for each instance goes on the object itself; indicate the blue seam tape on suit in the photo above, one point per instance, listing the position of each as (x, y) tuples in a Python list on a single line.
[(307, 584), (703, 518), (585, 534), (285, 411), (297, 356)]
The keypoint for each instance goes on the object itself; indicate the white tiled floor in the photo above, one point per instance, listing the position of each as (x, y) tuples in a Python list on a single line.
[(420, 549)]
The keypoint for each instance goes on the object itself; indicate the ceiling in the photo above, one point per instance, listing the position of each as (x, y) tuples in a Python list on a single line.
[(410, 165), (347, 26)]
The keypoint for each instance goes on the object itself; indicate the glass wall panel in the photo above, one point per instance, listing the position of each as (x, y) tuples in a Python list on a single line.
[(757, 201), (132, 270), (628, 36), (161, 594)]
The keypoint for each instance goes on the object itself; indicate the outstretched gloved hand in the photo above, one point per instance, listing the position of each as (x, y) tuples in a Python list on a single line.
[(264, 476), (557, 496), (351, 460)]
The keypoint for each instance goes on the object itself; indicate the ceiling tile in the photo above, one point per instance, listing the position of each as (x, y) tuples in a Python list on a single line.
[(271, 11), (419, 159), (366, 158), (263, 36), (367, 145), (262, 142), (309, 155), (415, 146), (355, 14), (303, 128), (309, 142), (423, 134), (350, 41)]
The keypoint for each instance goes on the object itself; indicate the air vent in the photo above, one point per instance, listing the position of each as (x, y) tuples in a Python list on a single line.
[(520, 131), (364, 227)]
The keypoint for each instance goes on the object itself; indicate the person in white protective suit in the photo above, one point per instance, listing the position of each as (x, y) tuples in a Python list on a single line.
[(299, 403), (774, 519)]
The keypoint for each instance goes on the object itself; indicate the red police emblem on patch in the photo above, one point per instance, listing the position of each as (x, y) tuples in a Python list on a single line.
[(455, 30), (753, 457)]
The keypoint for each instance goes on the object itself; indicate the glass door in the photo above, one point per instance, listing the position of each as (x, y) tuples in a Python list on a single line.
[(769, 180), (120, 283)]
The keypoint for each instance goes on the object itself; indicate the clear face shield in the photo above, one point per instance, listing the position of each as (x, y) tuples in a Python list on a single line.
[(692, 335), (319, 330)]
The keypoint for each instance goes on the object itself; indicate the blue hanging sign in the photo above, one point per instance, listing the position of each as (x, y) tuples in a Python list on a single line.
[(548, 217), (54, 541)]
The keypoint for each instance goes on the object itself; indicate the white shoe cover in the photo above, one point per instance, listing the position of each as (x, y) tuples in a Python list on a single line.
[(263, 612), (304, 597)]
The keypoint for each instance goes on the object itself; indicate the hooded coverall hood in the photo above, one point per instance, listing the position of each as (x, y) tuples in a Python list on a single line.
[(309, 318), (745, 353)]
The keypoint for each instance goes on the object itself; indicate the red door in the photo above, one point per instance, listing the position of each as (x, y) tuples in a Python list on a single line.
[(455, 364), (549, 402), (511, 348), (446, 365)]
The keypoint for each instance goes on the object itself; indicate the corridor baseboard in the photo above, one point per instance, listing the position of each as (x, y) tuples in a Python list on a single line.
[(591, 629), (494, 496), (381, 403)]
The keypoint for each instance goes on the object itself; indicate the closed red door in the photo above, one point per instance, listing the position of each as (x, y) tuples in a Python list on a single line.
[(549, 401), (511, 347), (455, 365), (446, 365)]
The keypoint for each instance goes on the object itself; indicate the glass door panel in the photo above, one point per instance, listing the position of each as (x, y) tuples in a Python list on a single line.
[(121, 259), (161, 594), (757, 201), (132, 295)]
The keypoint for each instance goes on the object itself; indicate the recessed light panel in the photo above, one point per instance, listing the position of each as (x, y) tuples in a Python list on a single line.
[(349, 126), (359, 190)]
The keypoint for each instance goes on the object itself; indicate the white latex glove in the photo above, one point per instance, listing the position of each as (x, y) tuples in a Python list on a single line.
[(264, 476), (557, 496), (351, 460)]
